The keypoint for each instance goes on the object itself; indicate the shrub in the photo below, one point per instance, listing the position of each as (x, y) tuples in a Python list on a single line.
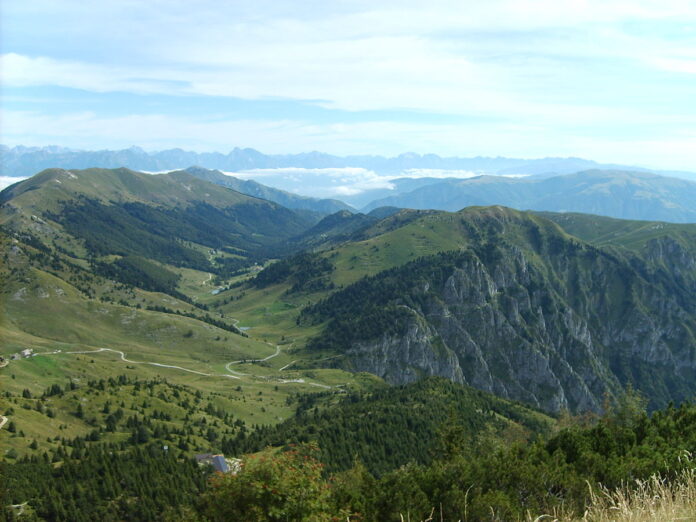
[(285, 486)]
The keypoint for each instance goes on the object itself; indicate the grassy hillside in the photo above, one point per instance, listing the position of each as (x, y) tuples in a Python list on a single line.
[(627, 233), (174, 218), (408, 235), (111, 281), (668, 250), (117, 185), (84, 327), (272, 311)]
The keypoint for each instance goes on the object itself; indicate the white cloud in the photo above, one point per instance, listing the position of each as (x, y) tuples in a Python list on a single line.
[(24, 71), (676, 65), (6, 181), (445, 173), (438, 173), (325, 182), (337, 182), (498, 58)]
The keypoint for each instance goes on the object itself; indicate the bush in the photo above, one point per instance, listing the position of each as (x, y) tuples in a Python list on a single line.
[(286, 486)]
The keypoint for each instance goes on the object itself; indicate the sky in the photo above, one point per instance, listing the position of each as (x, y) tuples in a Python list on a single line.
[(610, 80)]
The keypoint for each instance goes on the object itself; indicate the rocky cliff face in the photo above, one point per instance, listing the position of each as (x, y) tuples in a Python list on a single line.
[(559, 326)]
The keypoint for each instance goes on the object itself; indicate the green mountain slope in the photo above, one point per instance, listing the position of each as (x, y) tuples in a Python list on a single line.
[(512, 305), (174, 218), (333, 229), (117, 265), (630, 234), (80, 325), (669, 249), (508, 302), (111, 273)]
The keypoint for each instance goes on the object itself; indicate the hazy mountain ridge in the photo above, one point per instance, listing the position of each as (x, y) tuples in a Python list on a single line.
[(25, 161), (282, 197), (619, 194), (407, 181)]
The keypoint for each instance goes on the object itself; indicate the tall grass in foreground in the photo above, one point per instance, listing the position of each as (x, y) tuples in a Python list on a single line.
[(655, 499)]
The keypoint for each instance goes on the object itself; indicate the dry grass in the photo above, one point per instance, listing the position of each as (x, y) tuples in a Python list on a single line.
[(654, 499)]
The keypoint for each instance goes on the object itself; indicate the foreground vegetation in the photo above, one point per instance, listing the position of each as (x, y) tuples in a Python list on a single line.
[(588, 471), (652, 500), (392, 426), (628, 466), (103, 482)]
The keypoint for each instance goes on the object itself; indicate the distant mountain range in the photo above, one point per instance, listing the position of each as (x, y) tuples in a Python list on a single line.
[(615, 193), (26, 161), (550, 184)]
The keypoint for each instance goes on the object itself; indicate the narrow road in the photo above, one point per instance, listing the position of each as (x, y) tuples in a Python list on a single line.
[(227, 366), (255, 360), (124, 359), (287, 365), (231, 375), (302, 381)]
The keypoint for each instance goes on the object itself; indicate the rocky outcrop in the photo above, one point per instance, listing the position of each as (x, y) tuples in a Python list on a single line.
[(408, 357), (558, 328)]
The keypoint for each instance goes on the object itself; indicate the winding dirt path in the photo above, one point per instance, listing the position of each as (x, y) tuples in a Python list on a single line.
[(232, 374), (277, 352), (287, 366), (125, 359)]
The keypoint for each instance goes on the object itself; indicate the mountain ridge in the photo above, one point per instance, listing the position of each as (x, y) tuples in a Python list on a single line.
[(174, 218), (25, 161), (522, 309), (618, 194), (282, 197)]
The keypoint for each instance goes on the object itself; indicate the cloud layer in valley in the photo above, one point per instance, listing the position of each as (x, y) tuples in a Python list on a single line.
[(340, 182)]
